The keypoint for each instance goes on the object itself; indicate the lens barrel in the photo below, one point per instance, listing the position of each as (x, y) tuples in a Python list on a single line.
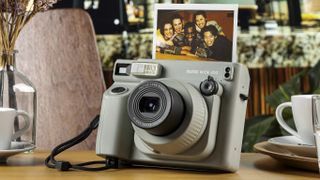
[(155, 107)]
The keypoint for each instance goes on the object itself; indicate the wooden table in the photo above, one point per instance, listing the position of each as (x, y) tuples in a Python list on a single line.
[(253, 166)]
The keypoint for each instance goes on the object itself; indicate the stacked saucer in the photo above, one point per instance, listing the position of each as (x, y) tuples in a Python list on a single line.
[(16, 147), (291, 151)]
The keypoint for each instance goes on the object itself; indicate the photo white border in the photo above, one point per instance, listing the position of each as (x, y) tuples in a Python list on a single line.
[(205, 7)]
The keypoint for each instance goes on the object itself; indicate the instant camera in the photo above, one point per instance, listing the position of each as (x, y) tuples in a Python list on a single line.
[(175, 114)]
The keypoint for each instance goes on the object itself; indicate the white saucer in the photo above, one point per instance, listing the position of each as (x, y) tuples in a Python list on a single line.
[(294, 145), (16, 147), (287, 157)]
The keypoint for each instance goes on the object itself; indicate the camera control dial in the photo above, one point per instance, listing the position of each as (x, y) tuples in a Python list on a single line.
[(210, 87)]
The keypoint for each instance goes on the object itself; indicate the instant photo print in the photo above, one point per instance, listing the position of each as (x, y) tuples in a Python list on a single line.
[(195, 32)]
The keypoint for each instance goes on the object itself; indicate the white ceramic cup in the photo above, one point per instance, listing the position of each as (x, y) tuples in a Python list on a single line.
[(7, 116), (302, 115)]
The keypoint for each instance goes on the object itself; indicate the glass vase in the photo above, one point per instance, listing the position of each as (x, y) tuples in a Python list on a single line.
[(18, 92)]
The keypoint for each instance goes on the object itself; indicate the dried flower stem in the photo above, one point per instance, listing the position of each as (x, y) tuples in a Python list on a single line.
[(14, 15)]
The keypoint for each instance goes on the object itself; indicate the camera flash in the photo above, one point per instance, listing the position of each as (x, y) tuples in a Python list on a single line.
[(146, 69)]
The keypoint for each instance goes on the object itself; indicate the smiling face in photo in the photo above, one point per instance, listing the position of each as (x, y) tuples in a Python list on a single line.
[(168, 31), (200, 21), (189, 34), (177, 24), (208, 38)]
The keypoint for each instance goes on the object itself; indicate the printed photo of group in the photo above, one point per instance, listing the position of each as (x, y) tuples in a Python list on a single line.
[(194, 34)]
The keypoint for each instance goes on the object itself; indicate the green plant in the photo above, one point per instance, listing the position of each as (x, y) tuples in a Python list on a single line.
[(264, 127)]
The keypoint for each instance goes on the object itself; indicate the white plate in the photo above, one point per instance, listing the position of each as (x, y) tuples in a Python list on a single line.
[(16, 147), (294, 145)]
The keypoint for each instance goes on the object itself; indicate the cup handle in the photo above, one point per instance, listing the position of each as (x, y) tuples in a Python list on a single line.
[(282, 122), (26, 119)]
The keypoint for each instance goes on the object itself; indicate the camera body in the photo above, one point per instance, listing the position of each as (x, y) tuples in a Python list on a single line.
[(178, 114)]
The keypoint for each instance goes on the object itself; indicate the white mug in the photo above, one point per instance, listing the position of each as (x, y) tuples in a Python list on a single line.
[(7, 117), (302, 115)]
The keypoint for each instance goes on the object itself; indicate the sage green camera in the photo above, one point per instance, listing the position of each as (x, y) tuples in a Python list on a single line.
[(178, 114)]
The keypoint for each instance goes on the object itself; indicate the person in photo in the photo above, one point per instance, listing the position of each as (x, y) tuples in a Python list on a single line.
[(164, 35), (218, 47), (191, 39), (165, 39), (200, 20), (177, 23)]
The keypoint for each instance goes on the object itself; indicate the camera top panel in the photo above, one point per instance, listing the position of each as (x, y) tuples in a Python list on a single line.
[(135, 70)]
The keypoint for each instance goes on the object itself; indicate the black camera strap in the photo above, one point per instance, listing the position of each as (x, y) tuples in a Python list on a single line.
[(66, 165)]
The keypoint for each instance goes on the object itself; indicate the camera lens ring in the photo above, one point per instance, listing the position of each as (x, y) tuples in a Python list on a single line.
[(168, 104), (189, 132)]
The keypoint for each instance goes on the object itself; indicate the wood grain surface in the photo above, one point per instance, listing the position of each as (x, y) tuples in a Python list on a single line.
[(58, 52), (252, 166)]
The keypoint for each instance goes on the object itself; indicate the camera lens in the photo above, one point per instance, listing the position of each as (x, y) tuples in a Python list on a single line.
[(149, 104), (155, 107)]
